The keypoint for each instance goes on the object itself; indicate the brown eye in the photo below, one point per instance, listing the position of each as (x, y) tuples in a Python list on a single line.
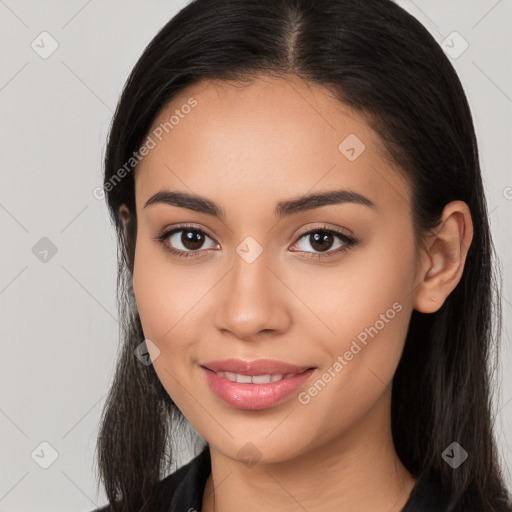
[(323, 240), (192, 240), (185, 241)]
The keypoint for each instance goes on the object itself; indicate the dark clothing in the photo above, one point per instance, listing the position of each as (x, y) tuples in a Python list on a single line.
[(182, 491)]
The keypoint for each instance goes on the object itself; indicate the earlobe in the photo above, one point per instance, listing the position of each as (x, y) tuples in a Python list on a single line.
[(124, 214), (445, 255)]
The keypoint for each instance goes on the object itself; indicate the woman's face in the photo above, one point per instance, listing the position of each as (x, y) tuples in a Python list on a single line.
[(263, 280)]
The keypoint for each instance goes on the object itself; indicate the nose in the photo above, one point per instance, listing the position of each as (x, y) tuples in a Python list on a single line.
[(252, 302)]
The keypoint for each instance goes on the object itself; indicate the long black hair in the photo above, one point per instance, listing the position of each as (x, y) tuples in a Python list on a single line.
[(381, 61)]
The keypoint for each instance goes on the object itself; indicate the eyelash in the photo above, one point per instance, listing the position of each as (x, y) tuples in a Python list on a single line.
[(349, 242)]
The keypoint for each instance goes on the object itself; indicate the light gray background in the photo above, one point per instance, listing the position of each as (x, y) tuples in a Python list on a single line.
[(59, 330)]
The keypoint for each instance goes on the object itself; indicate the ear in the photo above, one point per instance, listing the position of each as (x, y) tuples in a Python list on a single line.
[(443, 257), (124, 214)]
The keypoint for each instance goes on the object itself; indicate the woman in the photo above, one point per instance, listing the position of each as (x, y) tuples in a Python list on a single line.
[(305, 267)]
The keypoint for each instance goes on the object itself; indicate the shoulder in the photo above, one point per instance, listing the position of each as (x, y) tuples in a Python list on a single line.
[(189, 479), (165, 488), (426, 495)]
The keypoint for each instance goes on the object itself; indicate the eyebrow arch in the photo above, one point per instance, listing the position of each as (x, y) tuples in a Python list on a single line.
[(283, 208)]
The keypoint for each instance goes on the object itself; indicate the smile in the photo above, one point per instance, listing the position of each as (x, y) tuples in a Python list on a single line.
[(255, 392), (254, 379)]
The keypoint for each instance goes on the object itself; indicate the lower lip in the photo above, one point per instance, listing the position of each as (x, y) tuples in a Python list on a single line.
[(255, 396)]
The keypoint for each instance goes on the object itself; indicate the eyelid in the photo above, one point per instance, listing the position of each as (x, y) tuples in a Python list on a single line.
[(348, 242), (169, 230), (324, 227)]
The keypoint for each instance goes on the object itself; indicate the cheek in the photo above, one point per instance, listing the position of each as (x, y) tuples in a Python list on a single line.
[(170, 300), (165, 306), (367, 305), (376, 295), (153, 304), (372, 285), (165, 292)]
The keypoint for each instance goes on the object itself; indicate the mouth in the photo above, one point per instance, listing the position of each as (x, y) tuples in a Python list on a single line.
[(255, 379), (255, 385), (257, 367)]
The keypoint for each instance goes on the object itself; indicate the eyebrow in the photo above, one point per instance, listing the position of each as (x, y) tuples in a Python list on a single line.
[(283, 208)]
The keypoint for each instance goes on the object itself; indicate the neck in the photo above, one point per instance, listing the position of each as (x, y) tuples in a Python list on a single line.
[(358, 470)]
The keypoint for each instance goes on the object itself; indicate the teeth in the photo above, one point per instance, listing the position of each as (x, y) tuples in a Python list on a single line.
[(255, 379), (244, 379)]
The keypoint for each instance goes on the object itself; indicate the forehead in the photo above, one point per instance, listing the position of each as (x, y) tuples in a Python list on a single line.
[(262, 141)]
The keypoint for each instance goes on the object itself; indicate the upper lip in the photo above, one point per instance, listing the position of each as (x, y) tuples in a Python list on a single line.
[(256, 367)]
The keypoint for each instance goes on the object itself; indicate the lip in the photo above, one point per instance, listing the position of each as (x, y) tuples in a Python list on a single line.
[(255, 396), (256, 367)]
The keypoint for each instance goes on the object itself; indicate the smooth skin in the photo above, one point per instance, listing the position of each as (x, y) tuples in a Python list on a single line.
[(246, 149)]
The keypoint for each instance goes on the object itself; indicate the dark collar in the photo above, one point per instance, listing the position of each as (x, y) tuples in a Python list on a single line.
[(184, 489)]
